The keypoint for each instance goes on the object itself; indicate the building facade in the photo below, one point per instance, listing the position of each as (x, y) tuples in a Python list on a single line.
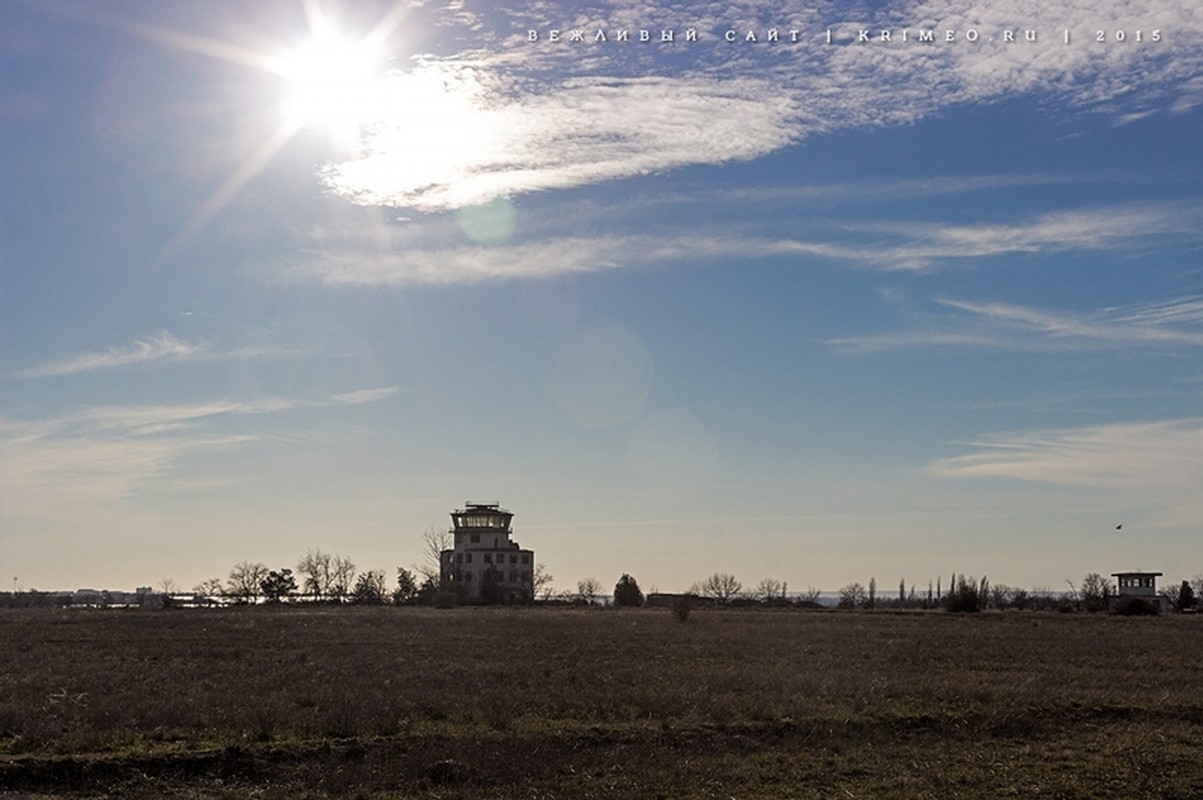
[(1141, 585), (484, 565)]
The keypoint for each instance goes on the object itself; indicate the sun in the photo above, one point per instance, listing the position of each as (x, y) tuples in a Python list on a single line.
[(333, 82)]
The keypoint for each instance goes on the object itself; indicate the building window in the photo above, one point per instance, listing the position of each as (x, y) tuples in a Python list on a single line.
[(526, 558), (476, 538), (488, 558), (468, 557), (513, 558), (468, 577)]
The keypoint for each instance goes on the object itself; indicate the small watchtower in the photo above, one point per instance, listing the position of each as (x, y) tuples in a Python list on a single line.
[(1137, 584), (484, 564), (1142, 586)]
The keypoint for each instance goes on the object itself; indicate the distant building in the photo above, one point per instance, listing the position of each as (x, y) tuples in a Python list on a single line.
[(1142, 585), (484, 565)]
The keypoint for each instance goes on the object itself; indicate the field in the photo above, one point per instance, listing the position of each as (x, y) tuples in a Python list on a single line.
[(305, 702)]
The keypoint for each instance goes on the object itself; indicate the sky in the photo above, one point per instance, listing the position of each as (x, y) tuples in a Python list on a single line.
[(779, 298)]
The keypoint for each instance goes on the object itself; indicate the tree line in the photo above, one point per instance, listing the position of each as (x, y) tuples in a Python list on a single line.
[(319, 577)]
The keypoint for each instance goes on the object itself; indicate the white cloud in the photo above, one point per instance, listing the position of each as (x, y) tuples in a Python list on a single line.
[(515, 116), (162, 347), (468, 145), (434, 253), (1172, 324), (1133, 456), (104, 454)]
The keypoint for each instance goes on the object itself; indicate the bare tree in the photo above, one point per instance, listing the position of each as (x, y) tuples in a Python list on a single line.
[(588, 589), (853, 596), (434, 541), (543, 582), (811, 595), (1000, 595), (1095, 592), (168, 586), (209, 588), (721, 586), (769, 589), (314, 569), (244, 581), (342, 577)]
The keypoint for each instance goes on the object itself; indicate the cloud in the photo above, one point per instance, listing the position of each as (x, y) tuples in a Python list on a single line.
[(1170, 324), (513, 116), (466, 147), (103, 454), (1158, 457), (434, 253), (160, 348)]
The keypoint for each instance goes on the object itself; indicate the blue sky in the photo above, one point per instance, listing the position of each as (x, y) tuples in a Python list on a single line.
[(815, 312)]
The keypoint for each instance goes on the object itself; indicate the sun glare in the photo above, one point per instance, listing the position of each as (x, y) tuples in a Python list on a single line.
[(333, 82)]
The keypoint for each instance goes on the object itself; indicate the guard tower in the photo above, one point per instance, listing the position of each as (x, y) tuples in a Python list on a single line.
[(484, 564), (1137, 584), (1142, 585)]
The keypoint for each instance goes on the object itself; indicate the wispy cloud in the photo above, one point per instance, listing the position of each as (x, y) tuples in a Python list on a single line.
[(160, 348), (103, 454), (1157, 456), (434, 253), (1173, 324), (515, 116)]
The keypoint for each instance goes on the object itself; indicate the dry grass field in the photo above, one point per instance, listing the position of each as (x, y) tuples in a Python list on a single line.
[(304, 702)]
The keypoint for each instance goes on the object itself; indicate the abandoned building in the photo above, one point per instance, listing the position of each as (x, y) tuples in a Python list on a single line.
[(484, 564), (1140, 584)]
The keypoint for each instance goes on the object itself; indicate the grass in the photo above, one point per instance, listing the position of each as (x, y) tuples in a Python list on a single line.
[(305, 702)]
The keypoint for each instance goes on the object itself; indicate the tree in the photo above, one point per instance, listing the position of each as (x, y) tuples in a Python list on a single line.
[(721, 586), (209, 589), (1095, 593), (277, 585), (314, 569), (627, 592), (244, 582), (342, 578), (369, 588), (588, 589), (872, 602), (168, 586), (1184, 598), (811, 595), (407, 587), (543, 582), (852, 595), (434, 541), (1000, 595), (428, 590), (964, 595), (769, 589)]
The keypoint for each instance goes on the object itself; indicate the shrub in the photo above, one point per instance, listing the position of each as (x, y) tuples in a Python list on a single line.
[(965, 597), (445, 598), (1136, 607), (681, 607)]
